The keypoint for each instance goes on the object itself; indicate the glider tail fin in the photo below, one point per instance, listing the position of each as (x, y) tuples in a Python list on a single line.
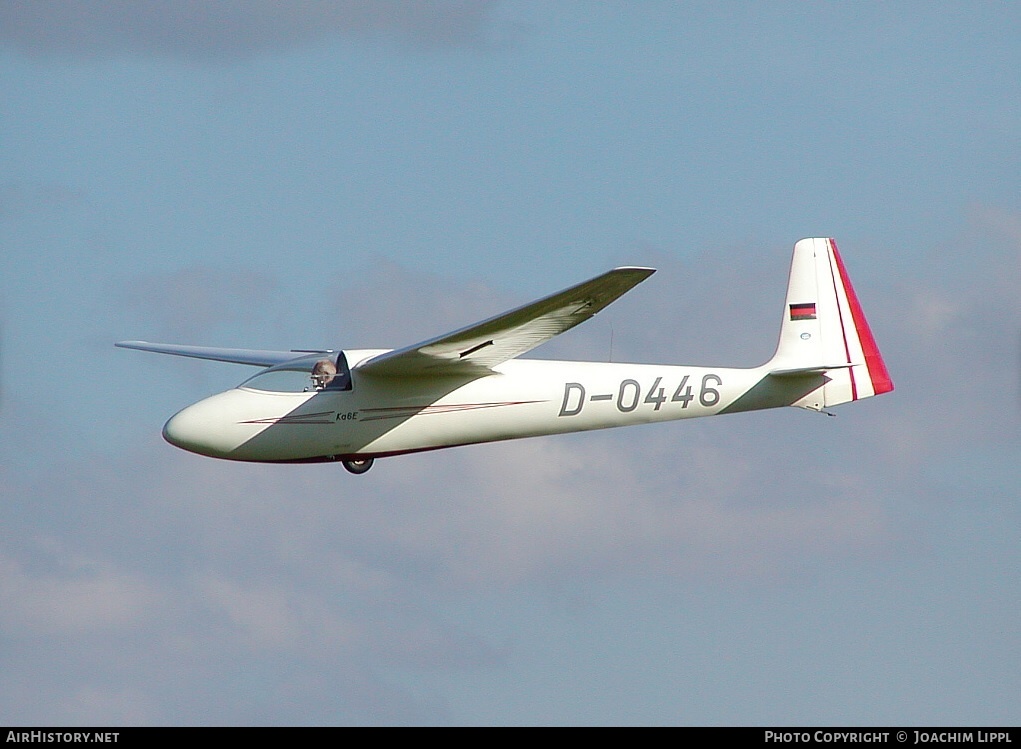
[(824, 331)]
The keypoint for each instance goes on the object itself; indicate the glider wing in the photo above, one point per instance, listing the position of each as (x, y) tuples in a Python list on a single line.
[(473, 351), (253, 357)]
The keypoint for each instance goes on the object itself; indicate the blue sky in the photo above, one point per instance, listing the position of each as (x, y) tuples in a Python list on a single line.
[(278, 175)]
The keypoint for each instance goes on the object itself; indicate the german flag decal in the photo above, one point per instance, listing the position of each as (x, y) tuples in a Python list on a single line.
[(803, 311)]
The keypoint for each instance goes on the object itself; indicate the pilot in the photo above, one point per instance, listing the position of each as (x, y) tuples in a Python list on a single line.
[(323, 373)]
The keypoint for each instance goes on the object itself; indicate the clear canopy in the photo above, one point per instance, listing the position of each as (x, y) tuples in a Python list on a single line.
[(315, 372)]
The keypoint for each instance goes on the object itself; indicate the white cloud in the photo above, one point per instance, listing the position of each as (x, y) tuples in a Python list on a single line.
[(270, 617), (88, 595)]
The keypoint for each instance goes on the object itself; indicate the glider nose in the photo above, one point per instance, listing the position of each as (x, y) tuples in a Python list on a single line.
[(185, 430), (219, 426), (199, 429)]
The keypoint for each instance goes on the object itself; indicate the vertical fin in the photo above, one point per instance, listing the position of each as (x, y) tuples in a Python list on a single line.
[(824, 330)]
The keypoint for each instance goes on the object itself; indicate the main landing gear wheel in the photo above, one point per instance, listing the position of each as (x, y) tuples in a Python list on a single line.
[(358, 467)]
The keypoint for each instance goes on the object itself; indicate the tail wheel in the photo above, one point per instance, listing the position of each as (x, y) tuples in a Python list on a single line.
[(359, 466)]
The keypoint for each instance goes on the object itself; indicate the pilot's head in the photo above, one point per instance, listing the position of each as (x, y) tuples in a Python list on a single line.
[(323, 373)]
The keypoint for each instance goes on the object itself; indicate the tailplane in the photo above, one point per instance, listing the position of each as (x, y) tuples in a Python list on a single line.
[(824, 331)]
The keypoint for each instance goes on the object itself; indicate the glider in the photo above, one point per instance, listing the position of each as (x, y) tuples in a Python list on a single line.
[(469, 386)]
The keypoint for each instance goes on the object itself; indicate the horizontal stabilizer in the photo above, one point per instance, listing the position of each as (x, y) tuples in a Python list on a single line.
[(808, 370)]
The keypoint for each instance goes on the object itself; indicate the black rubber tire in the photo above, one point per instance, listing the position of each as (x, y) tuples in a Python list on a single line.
[(358, 467)]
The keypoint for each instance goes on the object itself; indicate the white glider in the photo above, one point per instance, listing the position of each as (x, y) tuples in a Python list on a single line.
[(468, 386)]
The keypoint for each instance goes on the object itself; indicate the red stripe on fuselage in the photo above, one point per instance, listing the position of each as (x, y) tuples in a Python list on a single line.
[(881, 382)]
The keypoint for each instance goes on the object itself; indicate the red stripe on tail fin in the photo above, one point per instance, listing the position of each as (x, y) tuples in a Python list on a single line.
[(878, 373)]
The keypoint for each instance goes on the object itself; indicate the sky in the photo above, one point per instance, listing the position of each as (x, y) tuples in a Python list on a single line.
[(354, 174)]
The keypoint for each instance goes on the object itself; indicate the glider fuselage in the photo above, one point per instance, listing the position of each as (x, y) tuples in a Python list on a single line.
[(524, 398)]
